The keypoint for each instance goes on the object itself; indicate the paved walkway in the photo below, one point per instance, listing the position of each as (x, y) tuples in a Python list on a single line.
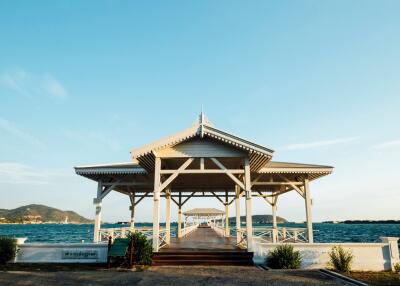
[(168, 275), (202, 239)]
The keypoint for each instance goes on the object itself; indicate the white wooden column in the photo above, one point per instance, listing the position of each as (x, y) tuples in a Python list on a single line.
[(156, 204), (168, 217), (249, 210), (180, 216), (97, 219), (274, 223), (237, 206), (132, 209), (307, 198), (227, 234)]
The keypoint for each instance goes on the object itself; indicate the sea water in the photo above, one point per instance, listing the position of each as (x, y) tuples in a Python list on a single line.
[(323, 232)]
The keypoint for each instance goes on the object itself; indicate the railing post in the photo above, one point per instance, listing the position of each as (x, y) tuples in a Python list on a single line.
[(393, 250), (274, 235)]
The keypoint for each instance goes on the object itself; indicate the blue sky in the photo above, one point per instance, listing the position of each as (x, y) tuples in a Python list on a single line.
[(85, 81)]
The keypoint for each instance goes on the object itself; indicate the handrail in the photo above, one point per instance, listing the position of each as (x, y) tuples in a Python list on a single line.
[(188, 229), (272, 235), (220, 230), (280, 234), (122, 232)]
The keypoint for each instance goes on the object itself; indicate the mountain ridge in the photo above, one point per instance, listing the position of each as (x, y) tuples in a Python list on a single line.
[(37, 213), (259, 219)]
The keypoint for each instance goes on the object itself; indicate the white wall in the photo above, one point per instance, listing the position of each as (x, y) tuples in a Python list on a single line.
[(57, 253), (367, 256)]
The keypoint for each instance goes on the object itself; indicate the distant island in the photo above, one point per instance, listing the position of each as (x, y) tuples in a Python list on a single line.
[(259, 219), (36, 214), (389, 221)]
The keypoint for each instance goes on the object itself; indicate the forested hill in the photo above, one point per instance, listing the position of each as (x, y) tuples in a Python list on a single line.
[(40, 214), (261, 219)]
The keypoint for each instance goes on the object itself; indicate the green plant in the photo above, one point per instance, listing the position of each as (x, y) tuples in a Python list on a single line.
[(142, 249), (8, 249), (341, 259), (284, 257), (397, 267)]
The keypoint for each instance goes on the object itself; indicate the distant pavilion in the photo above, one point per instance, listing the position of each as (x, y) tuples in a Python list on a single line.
[(203, 161)]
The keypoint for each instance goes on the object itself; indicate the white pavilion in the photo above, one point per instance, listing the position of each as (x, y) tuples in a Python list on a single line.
[(203, 161)]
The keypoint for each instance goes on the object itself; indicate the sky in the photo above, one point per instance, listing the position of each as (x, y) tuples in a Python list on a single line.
[(84, 82)]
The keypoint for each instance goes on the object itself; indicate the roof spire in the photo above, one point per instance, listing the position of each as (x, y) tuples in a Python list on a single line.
[(201, 117)]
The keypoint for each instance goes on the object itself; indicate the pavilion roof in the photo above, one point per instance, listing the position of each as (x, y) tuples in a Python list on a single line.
[(313, 171), (203, 211), (110, 169), (259, 155)]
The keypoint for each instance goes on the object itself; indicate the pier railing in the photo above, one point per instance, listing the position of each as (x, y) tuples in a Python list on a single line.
[(188, 229), (123, 232), (280, 234), (219, 229), (272, 235)]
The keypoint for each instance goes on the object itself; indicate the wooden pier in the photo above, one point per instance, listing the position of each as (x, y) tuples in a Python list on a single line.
[(202, 247)]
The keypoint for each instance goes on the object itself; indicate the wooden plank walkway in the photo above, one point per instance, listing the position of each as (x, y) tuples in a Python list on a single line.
[(202, 239)]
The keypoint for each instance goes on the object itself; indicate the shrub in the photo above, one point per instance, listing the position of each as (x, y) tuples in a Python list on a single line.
[(142, 249), (397, 267), (8, 249), (284, 257), (341, 259)]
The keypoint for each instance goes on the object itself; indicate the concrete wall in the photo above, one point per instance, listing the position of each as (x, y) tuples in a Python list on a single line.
[(367, 256), (62, 253)]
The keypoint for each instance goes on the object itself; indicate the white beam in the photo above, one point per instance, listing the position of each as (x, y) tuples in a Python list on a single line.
[(215, 195), (201, 163), (108, 189), (204, 171), (298, 190), (187, 198), (142, 197), (176, 173), (222, 167), (277, 183)]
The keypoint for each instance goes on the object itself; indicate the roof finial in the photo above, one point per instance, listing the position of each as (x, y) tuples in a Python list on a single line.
[(201, 117)]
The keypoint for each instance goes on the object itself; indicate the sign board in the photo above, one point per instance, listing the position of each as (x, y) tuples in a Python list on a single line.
[(79, 254)]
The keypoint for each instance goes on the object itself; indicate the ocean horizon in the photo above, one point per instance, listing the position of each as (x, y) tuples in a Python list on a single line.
[(76, 233)]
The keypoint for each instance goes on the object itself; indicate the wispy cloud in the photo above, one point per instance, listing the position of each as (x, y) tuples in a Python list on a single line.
[(54, 87), (30, 85), (317, 144), (15, 173), (387, 144), (12, 129)]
